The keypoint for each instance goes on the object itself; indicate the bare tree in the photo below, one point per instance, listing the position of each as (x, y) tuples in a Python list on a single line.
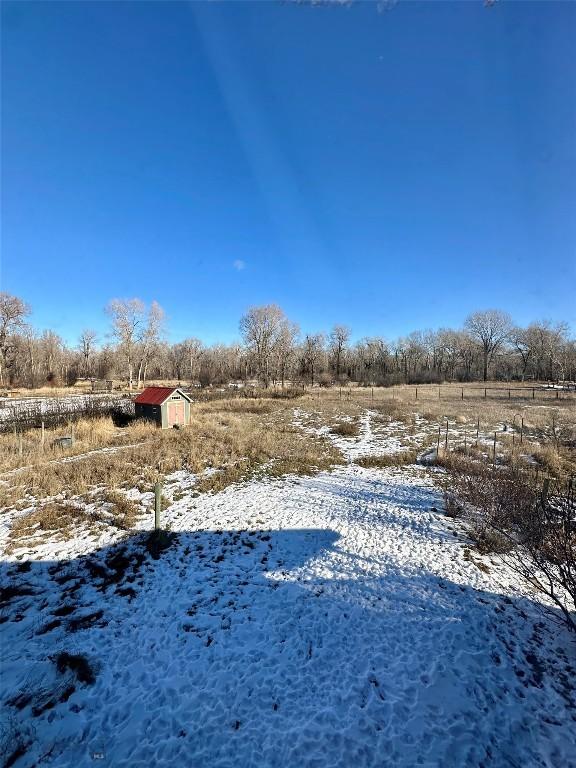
[(149, 337), (52, 351), (490, 328), (284, 350), (128, 318), (545, 341), (312, 353), (262, 329), (13, 314), (87, 343), (339, 336), (185, 356)]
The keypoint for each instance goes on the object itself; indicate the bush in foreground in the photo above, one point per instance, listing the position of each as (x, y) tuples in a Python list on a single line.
[(531, 526)]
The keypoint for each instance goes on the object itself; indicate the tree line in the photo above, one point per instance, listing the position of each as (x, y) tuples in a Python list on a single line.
[(273, 351)]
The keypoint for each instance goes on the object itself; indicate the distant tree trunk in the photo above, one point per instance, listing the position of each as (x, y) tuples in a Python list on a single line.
[(140, 369)]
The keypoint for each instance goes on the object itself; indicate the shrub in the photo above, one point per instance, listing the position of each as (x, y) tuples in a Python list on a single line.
[(290, 393), (346, 429), (490, 541), (398, 459), (452, 506), (124, 511), (533, 528)]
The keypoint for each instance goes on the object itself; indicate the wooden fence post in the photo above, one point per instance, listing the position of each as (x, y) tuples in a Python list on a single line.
[(157, 505), (446, 438), (494, 450), (20, 445), (438, 441), (484, 393), (42, 434), (477, 430), (438, 393), (532, 393), (416, 393), (522, 431)]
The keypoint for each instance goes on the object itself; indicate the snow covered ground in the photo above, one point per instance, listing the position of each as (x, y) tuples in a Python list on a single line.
[(329, 621)]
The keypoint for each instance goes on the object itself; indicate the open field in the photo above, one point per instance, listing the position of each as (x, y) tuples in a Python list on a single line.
[(309, 603)]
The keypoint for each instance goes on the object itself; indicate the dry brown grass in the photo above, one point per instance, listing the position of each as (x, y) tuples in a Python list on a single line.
[(398, 459), (549, 425), (89, 434), (346, 428), (245, 445), (557, 462), (124, 511), (237, 438), (240, 438), (61, 518), (400, 403), (245, 405)]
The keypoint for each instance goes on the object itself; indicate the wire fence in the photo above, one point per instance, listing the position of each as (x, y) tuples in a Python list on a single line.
[(29, 413), (445, 392)]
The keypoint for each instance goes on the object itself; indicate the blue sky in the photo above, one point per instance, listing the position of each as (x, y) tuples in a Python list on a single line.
[(390, 171)]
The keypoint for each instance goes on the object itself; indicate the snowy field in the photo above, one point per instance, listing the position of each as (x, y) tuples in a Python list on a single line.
[(329, 621)]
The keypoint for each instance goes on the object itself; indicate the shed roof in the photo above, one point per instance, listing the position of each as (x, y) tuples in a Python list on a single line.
[(157, 395)]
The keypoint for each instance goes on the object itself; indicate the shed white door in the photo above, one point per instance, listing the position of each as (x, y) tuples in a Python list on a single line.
[(175, 413)]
